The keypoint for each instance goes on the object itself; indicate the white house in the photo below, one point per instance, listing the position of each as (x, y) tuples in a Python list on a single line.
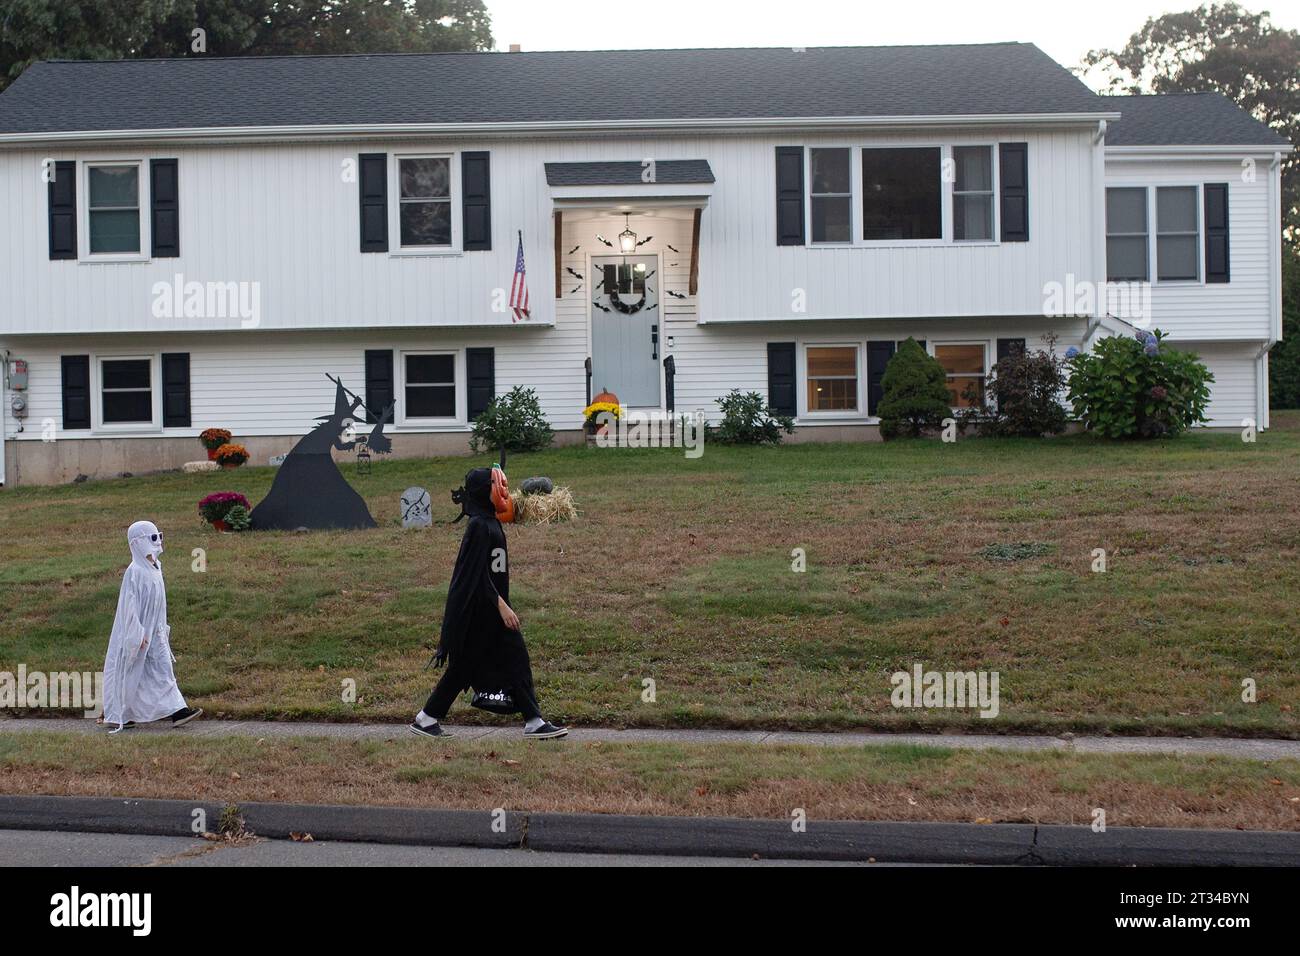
[(196, 242)]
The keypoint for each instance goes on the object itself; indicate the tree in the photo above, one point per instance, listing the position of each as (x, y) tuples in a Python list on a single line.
[(1284, 358), (914, 392), (32, 30), (1225, 48)]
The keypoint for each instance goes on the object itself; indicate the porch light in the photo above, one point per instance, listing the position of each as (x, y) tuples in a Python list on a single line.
[(626, 239)]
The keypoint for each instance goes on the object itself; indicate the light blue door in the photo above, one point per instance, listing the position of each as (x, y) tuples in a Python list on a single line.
[(625, 328)]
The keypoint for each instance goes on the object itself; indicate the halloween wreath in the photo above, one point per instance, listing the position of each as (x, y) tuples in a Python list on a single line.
[(627, 308)]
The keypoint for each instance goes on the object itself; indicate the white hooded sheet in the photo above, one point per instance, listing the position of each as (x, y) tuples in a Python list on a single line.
[(139, 683)]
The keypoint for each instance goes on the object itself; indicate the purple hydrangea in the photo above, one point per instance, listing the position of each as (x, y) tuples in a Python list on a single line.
[(1071, 352), (1152, 347), (1159, 392)]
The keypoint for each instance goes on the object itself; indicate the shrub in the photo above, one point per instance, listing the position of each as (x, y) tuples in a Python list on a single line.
[(1137, 387), (514, 420), (217, 506), (239, 518), (915, 392), (747, 419), (1023, 394)]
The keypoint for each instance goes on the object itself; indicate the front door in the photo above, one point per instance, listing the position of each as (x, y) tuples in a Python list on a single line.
[(625, 327)]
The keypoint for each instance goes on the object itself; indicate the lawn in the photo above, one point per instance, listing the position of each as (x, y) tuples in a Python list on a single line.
[(898, 782), (968, 556)]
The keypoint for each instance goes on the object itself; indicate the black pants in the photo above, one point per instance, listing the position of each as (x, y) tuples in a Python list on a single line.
[(456, 680)]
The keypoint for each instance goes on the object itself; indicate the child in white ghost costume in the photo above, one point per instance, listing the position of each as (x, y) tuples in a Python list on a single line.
[(139, 684)]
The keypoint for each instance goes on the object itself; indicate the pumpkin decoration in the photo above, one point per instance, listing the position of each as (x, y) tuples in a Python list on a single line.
[(501, 500), (605, 396)]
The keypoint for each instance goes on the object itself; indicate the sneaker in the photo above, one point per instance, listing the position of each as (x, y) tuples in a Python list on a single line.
[(546, 732), (433, 730), (185, 715), (121, 727)]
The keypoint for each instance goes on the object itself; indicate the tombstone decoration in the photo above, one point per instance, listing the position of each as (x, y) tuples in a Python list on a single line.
[(417, 509), (309, 491)]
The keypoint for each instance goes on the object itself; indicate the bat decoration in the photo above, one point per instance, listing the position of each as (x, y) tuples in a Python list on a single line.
[(575, 249), (644, 241), (676, 295), (569, 270), (604, 240), (599, 306), (678, 251), (576, 288), (648, 275)]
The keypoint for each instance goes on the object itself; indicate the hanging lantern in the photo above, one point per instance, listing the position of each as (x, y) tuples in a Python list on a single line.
[(626, 239)]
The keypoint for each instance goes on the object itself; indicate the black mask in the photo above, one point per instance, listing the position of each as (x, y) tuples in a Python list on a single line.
[(475, 497)]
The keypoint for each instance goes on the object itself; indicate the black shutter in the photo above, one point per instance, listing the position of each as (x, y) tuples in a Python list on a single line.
[(63, 214), (373, 173), (76, 391), (878, 356), (476, 201), (480, 380), (164, 200), (176, 389), (1013, 169), (379, 382), (781, 378), (789, 196), (1007, 346), (1216, 232)]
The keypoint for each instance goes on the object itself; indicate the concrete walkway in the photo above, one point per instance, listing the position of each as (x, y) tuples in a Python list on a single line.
[(1254, 749)]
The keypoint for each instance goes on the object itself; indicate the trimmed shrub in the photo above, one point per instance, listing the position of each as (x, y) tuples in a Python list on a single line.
[(747, 419), (1138, 387), (514, 420), (1024, 394), (915, 392)]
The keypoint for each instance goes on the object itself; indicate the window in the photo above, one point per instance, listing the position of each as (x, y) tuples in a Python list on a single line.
[(430, 386), (126, 391), (965, 367), (901, 193), (1126, 235), (424, 200), (1177, 233), (113, 208), (832, 195), (972, 193), (832, 378)]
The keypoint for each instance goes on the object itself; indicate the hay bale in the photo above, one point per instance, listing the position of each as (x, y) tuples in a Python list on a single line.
[(544, 508)]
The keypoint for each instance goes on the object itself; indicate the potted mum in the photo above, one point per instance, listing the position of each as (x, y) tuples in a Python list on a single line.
[(212, 439), (231, 456), (606, 401), (216, 509)]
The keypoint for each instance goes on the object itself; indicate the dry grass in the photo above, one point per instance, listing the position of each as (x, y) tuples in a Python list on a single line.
[(679, 570), (878, 783)]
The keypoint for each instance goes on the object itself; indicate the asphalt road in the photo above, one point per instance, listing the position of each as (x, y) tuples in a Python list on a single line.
[(50, 848)]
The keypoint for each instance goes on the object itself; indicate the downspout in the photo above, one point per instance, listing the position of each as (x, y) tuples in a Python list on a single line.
[(4, 413), (1275, 290)]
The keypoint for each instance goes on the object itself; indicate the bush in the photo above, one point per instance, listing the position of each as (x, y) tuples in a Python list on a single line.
[(915, 392), (239, 518), (1023, 394), (1137, 387), (1284, 357), (748, 420), (514, 420)]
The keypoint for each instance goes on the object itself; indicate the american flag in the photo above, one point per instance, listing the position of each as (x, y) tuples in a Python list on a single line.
[(519, 287)]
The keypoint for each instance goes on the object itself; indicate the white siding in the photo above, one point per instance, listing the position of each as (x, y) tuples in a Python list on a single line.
[(1243, 307), (286, 217), (1234, 394)]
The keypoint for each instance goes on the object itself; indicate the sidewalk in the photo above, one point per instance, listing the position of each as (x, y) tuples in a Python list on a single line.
[(1252, 749)]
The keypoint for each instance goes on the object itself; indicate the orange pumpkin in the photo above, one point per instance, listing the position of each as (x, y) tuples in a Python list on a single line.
[(606, 396)]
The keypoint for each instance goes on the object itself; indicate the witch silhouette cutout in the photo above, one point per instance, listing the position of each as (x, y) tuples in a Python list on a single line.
[(309, 491)]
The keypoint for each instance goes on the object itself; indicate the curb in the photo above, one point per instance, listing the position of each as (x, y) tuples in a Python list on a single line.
[(982, 844)]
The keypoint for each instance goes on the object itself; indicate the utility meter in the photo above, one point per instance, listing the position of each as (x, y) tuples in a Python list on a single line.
[(18, 404), (18, 376)]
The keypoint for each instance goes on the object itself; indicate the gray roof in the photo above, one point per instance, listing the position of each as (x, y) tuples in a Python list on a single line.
[(449, 88), (1186, 119), (668, 172)]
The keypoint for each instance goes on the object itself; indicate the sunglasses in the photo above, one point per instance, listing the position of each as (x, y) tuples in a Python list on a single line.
[(155, 538)]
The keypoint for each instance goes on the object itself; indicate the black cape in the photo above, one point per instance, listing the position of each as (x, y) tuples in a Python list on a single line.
[(478, 645)]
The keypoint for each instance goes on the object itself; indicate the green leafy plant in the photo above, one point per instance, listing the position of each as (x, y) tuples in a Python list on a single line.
[(747, 419), (1138, 387), (1023, 394), (915, 392), (239, 518), (514, 420)]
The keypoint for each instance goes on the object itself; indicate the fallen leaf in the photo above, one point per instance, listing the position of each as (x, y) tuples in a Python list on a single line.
[(297, 837)]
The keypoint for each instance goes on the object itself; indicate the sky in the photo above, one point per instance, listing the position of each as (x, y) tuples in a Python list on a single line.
[(1065, 30)]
